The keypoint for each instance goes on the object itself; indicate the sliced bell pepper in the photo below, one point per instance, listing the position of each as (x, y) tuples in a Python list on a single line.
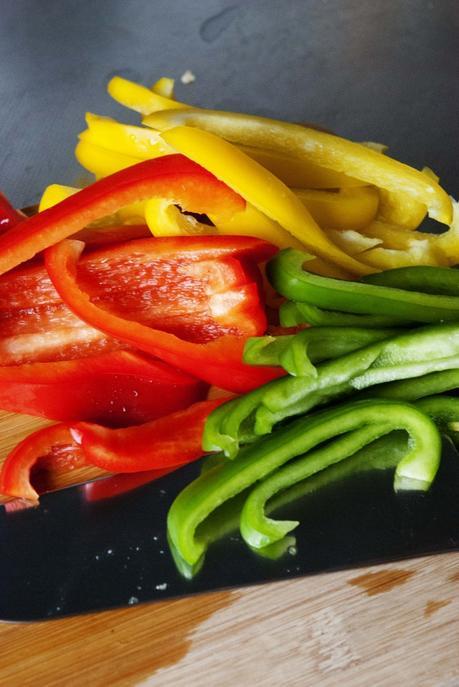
[(118, 388), (102, 162), (351, 208), (286, 274), (260, 188), (162, 444), (363, 420), (194, 288), (410, 354), (320, 147), (218, 362), (297, 353), (167, 442), (396, 207), (369, 421), (172, 176), (139, 98), (51, 445), (9, 216), (126, 224), (124, 142), (134, 141), (164, 86)]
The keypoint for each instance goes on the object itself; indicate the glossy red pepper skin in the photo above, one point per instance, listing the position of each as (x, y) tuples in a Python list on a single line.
[(167, 442), (173, 176), (52, 447), (117, 389), (160, 445), (9, 216), (196, 288), (217, 362)]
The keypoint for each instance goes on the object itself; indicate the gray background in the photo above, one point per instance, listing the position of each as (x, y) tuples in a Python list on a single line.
[(369, 69)]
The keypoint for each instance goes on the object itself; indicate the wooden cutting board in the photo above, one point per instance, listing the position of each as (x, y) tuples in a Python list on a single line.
[(379, 626)]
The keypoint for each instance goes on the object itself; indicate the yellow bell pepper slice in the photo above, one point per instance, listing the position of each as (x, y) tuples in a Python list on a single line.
[(353, 242), (252, 222), (139, 98), (301, 173), (143, 143), (53, 194), (260, 188), (135, 141), (395, 237), (387, 258), (100, 161), (351, 208), (321, 148), (164, 86), (398, 208), (165, 219)]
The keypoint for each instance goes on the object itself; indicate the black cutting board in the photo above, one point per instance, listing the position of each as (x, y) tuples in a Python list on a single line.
[(385, 71)]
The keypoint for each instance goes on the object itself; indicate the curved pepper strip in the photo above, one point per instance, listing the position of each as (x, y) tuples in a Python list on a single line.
[(162, 444), (117, 388), (198, 289), (434, 280), (351, 208), (291, 170), (53, 445), (444, 410), (218, 362), (399, 208), (320, 147), (416, 470), (164, 219), (297, 353), (413, 354), (419, 387), (106, 144), (139, 98), (166, 442), (172, 176), (127, 139), (364, 424), (292, 314), (286, 274), (260, 188)]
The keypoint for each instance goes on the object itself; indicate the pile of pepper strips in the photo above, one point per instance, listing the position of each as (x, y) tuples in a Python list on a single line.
[(136, 329)]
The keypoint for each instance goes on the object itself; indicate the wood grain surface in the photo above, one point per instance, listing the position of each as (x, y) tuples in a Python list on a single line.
[(380, 626)]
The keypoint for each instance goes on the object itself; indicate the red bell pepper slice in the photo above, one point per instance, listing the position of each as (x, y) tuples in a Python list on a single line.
[(9, 216), (218, 362), (118, 389), (173, 176), (197, 288), (167, 442), (162, 444), (52, 447)]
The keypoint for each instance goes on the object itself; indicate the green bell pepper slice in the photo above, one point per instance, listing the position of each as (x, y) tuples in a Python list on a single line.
[(412, 354), (292, 314), (286, 274), (297, 353), (416, 470)]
